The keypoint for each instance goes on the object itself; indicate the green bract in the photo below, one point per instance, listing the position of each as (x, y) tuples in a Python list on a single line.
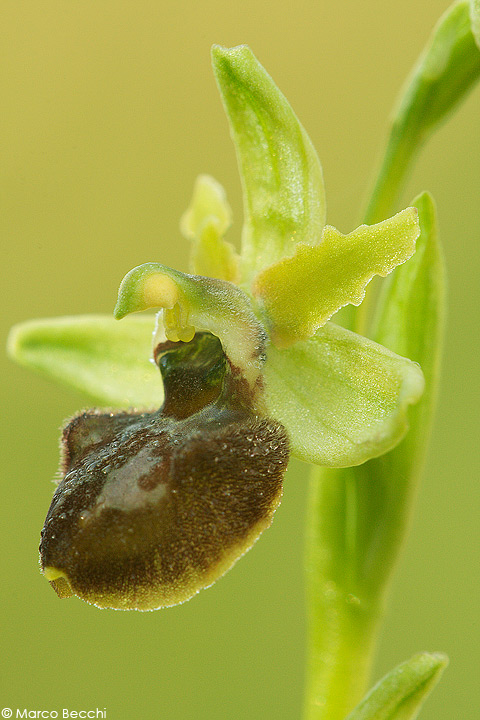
[(401, 693)]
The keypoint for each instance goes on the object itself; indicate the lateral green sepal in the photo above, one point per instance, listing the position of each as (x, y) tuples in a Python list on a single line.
[(299, 294), (284, 201), (342, 398), (402, 692), (93, 354)]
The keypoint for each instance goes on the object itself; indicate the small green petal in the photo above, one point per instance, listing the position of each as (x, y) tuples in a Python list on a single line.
[(209, 201), (204, 224), (301, 293), (402, 692), (282, 178), (94, 354), (341, 397), (214, 257), (191, 304)]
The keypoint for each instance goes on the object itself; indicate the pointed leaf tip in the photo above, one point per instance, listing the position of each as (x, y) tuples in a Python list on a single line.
[(402, 692)]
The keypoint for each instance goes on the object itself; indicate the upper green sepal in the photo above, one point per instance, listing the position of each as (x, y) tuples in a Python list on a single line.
[(402, 692), (284, 200), (300, 293)]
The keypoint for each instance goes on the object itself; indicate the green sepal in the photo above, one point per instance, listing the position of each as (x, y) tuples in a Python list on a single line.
[(475, 19), (94, 354), (447, 69), (204, 223), (299, 294), (402, 692), (192, 303), (341, 397), (284, 201)]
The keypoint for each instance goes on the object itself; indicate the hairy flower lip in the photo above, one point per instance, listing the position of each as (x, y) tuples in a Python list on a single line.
[(154, 506), (145, 555)]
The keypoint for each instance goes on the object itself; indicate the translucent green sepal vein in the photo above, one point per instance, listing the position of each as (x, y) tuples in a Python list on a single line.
[(106, 360), (342, 397), (402, 692), (284, 201)]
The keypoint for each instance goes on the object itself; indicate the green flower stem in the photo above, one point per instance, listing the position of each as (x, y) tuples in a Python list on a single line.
[(359, 515), (343, 617), (349, 561)]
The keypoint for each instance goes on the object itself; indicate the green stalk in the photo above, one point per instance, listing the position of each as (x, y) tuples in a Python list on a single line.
[(358, 516), (343, 618)]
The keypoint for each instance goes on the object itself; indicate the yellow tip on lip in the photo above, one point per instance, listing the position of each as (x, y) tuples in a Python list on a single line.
[(59, 581)]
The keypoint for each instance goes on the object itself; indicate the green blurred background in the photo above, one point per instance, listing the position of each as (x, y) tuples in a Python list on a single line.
[(110, 112)]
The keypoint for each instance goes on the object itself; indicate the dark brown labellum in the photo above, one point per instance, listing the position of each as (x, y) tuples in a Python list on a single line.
[(155, 506)]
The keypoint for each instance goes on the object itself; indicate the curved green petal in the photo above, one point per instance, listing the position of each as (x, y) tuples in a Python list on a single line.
[(401, 693), (282, 179), (341, 397), (193, 303), (300, 293), (94, 354)]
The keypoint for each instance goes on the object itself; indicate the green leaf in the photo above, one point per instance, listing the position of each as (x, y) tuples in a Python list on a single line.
[(282, 178), (410, 320), (204, 223), (192, 303), (341, 397), (301, 293), (95, 354), (475, 19), (358, 516), (448, 68), (401, 694)]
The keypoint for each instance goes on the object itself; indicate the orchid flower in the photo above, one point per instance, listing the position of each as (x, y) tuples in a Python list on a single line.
[(155, 504)]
